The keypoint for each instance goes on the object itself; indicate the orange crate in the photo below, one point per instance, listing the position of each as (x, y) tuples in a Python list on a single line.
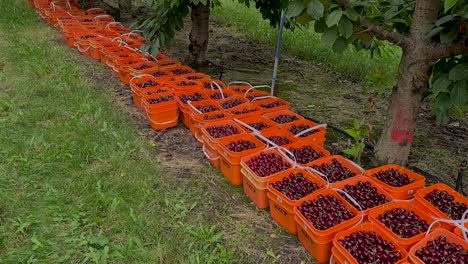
[(161, 115), (400, 193), (230, 160), (202, 107), (145, 67), (365, 227), (196, 76), (232, 102), (245, 110), (278, 114), (279, 133), (406, 243), (139, 85), (319, 242), (254, 185), (122, 68), (272, 105), (345, 162), (439, 232), (301, 144), (421, 193), (281, 206), (354, 181)]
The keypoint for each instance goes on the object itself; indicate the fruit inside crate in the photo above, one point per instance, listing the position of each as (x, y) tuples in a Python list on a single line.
[(446, 203), (305, 154), (223, 131), (266, 164), (366, 193), (334, 170), (440, 250), (403, 222), (160, 99), (295, 186)]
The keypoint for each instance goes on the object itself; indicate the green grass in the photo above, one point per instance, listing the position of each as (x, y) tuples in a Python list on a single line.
[(376, 73), (77, 181)]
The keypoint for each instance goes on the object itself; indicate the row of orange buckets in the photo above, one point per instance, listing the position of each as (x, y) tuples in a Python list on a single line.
[(339, 211)]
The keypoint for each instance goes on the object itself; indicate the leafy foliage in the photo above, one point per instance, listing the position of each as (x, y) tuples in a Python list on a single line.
[(358, 133)]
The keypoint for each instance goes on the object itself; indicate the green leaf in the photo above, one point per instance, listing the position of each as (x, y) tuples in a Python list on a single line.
[(345, 27), (443, 20), (333, 18), (351, 14), (295, 8), (441, 84), (448, 4), (329, 36), (434, 32), (449, 35), (459, 94), (443, 106), (391, 13), (315, 9), (459, 72), (351, 132), (340, 45), (303, 18), (320, 26)]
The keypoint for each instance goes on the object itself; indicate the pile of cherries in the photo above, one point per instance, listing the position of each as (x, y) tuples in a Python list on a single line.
[(231, 103), (364, 194), (147, 84), (193, 97), (159, 74), (259, 125), (440, 250), (279, 140), (142, 67), (213, 117), (296, 129), (295, 186), (335, 171), (393, 177), (266, 164), (272, 104), (325, 212), (368, 247), (402, 222), (184, 83), (446, 203), (284, 119), (160, 99), (194, 77), (243, 111), (222, 131), (180, 71), (305, 154), (218, 96), (207, 108), (240, 145)]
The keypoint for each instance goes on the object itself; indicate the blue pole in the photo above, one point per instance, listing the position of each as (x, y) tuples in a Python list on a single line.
[(278, 53)]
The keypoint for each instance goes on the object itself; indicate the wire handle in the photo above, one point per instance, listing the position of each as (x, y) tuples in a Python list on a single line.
[(193, 107), (311, 129), (262, 97), (112, 23), (219, 88)]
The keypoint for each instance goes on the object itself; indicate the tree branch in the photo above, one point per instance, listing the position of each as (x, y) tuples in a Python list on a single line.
[(376, 30), (440, 51)]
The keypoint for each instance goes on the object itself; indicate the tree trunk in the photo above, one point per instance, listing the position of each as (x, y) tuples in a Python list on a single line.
[(415, 70), (125, 7), (398, 132), (200, 32)]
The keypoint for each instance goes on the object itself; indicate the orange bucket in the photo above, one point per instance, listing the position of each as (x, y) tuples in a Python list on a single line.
[(95, 45), (283, 117), (245, 110), (255, 186), (183, 84), (230, 160), (161, 115), (319, 242), (208, 118), (430, 208), (406, 243), (342, 253), (122, 68), (197, 76), (177, 69), (281, 206), (354, 181), (316, 132), (144, 67), (183, 97), (351, 166), (167, 64), (218, 95), (232, 102), (202, 107), (299, 145), (403, 192), (208, 84), (210, 146), (259, 123), (139, 85), (272, 104), (279, 134), (439, 232)]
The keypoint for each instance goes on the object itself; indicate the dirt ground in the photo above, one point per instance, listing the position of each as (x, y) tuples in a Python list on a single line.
[(313, 91)]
